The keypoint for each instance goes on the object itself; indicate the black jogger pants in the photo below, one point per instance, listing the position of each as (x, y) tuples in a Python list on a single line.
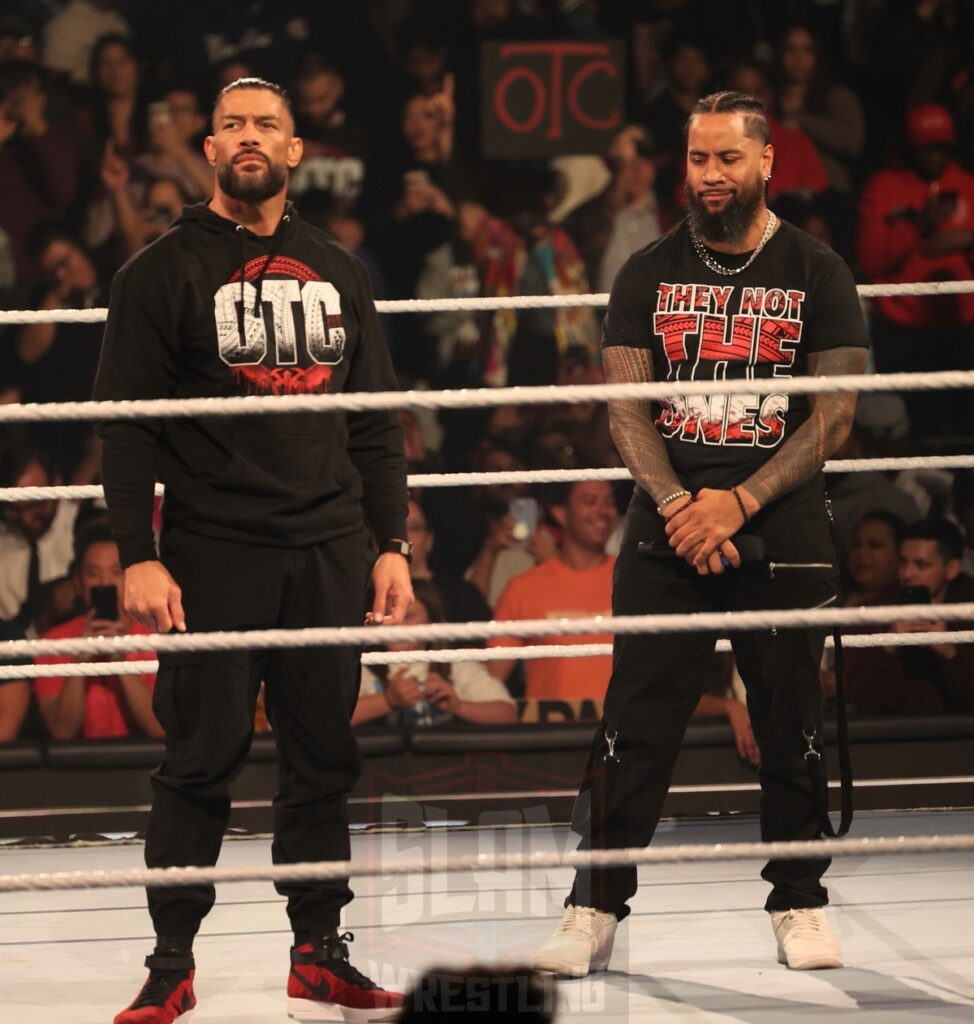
[(206, 705), (658, 679)]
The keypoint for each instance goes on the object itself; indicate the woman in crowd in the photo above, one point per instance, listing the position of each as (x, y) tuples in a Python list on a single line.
[(874, 558), (829, 113)]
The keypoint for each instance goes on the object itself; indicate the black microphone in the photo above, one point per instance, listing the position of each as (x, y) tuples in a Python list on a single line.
[(749, 547)]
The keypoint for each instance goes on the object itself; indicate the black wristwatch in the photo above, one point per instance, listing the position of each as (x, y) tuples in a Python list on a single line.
[(397, 547)]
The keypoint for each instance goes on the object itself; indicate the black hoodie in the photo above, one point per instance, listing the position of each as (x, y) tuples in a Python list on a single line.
[(177, 328)]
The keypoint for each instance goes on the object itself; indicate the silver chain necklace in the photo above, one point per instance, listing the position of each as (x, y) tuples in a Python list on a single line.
[(719, 268)]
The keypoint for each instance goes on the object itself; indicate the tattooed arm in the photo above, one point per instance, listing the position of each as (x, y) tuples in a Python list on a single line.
[(699, 532), (825, 430), (632, 426)]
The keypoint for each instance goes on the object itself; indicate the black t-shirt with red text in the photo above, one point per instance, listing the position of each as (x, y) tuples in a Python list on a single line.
[(797, 297)]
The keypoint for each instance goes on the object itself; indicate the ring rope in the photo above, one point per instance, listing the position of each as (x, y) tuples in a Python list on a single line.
[(482, 304), (451, 632), (80, 492), (322, 871), (455, 654), (475, 398)]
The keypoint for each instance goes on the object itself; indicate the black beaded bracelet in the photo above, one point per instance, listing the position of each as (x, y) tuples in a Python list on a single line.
[(740, 505)]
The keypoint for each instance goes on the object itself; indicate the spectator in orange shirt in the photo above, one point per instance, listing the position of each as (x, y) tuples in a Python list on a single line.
[(99, 707), (575, 583)]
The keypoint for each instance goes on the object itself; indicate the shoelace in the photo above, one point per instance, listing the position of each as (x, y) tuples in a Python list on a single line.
[(158, 988), (805, 923), (342, 967), (583, 919)]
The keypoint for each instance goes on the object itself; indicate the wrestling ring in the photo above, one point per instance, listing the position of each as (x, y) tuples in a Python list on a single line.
[(696, 947)]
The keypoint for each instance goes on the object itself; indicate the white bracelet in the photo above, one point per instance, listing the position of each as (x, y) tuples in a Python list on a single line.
[(670, 498)]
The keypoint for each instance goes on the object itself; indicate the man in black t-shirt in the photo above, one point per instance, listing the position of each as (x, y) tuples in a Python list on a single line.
[(732, 293)]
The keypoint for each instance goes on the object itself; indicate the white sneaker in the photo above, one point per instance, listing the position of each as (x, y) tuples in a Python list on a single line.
[(582, 943), (805, 941)]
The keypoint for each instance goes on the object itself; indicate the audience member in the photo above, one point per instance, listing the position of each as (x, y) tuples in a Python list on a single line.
[(688, 73), (855, 494), (18, 40), (14, 693), (36, 537), (828, 113), (462, 601), (636, 221), (425, 693), (118, 112), (498, 253), (38, 162), (874, 558), (99, 707), (933, 677), (797, 169), (625, 216), (552, 266), (917, 224), (139, 224), (335, 150), (574, 583), (58, 361), (176, 125), (73, 32), (962, 512)]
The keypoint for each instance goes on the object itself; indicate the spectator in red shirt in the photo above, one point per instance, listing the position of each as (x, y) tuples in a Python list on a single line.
[(100, 707), (917, 224), (930, 677)]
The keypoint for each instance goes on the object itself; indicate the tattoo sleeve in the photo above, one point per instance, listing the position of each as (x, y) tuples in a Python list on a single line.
[(828, 425), (632, 426)]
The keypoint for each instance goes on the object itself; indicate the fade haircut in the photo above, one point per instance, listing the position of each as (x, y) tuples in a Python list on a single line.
[(947, 537), (727, 102), (254, 83)]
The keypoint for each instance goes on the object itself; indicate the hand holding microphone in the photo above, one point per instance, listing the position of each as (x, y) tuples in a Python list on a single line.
[(701, 530)]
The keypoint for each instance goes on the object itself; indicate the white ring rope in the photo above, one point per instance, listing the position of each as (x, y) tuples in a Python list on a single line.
[(593, 300), (452, 632), (60, 880), (456, 654), (476, 398), (80, 492)]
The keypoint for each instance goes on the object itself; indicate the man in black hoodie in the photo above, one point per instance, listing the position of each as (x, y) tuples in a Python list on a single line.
[(262, 527)]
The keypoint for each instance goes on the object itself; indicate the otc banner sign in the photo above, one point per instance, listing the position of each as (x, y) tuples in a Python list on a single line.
[(542, 99)]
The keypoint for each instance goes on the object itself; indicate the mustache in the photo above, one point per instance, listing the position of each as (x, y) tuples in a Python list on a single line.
[(250, 155)]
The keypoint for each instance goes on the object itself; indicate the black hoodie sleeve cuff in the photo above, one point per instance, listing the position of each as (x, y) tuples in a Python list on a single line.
[(140, 548)]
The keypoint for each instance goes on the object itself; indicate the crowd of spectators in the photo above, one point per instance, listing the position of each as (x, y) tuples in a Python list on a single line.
[(103, 105)]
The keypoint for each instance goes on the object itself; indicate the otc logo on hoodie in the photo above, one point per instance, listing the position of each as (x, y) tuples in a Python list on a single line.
[(279, 328)]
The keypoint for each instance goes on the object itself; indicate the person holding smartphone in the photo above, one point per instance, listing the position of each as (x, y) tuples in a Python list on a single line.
[(934, 677), (100, 707)]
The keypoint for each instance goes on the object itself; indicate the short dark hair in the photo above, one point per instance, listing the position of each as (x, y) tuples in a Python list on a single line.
[(946, 535), (254, 83), (96, 532), (17, 455), (313, 65), (727, 102), (44, 234), (882, 515)]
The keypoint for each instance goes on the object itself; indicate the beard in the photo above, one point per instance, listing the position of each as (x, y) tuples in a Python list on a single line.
[(731, 223), (252, 188)]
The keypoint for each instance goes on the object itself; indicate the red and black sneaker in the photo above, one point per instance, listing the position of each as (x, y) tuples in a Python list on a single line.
[(167, 995), (324, 986)]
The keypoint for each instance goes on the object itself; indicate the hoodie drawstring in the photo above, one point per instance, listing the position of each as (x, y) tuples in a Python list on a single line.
[(271, 253)]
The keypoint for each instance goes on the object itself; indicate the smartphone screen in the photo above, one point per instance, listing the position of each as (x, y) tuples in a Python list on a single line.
[(104, 602), (524, 512)]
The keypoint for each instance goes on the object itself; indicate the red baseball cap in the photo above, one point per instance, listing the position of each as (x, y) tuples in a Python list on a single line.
[(930, 124)]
